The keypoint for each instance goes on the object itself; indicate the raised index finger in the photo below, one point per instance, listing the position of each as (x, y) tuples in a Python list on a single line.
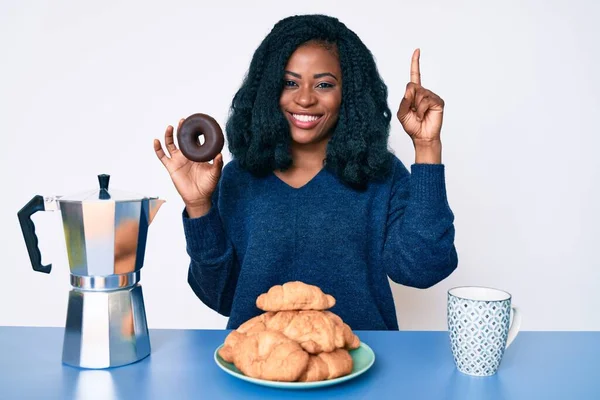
[(415, 69)]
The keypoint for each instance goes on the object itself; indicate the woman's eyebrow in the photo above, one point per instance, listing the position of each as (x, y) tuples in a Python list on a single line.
[(315, 76)]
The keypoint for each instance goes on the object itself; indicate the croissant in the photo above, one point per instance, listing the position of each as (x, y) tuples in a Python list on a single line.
[(256, 324), (351, 341), (316, 331), (270, 355), (325, 366), (294, 295), (226, 352), (252, 326)]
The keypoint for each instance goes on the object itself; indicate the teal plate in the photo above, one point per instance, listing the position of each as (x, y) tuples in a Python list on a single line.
[(363, 358)]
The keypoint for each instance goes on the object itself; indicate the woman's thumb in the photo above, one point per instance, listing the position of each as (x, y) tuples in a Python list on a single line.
[(217, 166), (218, 162)]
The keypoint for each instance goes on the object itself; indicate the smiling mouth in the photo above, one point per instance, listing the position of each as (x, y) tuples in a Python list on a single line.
[(306, 117), (305, 121)]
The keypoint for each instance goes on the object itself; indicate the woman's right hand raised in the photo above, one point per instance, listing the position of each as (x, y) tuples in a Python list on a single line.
[(195, 181)]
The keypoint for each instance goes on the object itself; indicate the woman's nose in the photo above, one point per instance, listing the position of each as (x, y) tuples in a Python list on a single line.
[(305, 97)]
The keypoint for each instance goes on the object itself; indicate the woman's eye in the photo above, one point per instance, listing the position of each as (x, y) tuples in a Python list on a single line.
[(324, 85), (289, 83)]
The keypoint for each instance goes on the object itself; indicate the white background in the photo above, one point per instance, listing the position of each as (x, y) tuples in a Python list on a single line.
[(86, 86)]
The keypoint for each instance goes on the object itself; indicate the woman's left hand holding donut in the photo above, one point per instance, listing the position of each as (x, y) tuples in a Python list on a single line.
[(421, 114)]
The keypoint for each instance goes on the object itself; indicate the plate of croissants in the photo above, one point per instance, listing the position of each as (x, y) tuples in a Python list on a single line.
[(296, 342)]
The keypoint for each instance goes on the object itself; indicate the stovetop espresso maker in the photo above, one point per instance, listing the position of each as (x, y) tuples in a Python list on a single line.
[(105, 232)]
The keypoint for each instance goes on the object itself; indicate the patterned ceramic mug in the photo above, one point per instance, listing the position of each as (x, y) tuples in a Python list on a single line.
[(480, 328)]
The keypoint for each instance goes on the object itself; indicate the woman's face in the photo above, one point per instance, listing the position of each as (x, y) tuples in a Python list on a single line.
[(312, 94)]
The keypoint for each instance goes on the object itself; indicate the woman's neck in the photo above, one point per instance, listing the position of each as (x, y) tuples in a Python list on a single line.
[(307, 163), (309, 157)]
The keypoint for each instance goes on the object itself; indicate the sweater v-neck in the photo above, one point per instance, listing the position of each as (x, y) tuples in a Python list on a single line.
[(305, 185)]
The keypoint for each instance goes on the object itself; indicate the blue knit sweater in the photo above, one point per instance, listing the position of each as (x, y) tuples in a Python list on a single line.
[(262, 232)]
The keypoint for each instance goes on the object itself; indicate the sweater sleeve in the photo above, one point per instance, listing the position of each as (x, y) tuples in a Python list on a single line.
[(419, 246), (213, 269)]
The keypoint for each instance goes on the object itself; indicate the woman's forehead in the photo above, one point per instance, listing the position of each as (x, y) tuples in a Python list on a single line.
[(313, 56)]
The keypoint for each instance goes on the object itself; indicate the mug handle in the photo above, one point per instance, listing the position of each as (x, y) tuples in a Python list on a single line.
[(514, 327)]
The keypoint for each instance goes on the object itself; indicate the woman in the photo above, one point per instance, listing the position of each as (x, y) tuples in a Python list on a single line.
[(313, 193)]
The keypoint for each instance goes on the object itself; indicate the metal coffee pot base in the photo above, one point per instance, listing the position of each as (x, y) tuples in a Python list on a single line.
[(105, 328)]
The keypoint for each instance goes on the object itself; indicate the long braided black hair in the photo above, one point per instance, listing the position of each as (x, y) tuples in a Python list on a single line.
[(258, 133)]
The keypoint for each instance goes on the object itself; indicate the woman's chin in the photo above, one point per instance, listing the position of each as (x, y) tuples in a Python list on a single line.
[(300, 142), (307, 138), (304, 138)]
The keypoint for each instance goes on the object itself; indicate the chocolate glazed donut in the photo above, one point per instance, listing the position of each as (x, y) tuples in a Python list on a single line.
[(189, 132)]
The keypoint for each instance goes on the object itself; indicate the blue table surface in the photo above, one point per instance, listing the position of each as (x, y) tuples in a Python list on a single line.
[(408, 365)]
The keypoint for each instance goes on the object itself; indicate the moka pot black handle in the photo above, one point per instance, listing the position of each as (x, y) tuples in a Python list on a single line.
[(28, 228)]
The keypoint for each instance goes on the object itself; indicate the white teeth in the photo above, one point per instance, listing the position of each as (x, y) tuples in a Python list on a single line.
[(305, 118)]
